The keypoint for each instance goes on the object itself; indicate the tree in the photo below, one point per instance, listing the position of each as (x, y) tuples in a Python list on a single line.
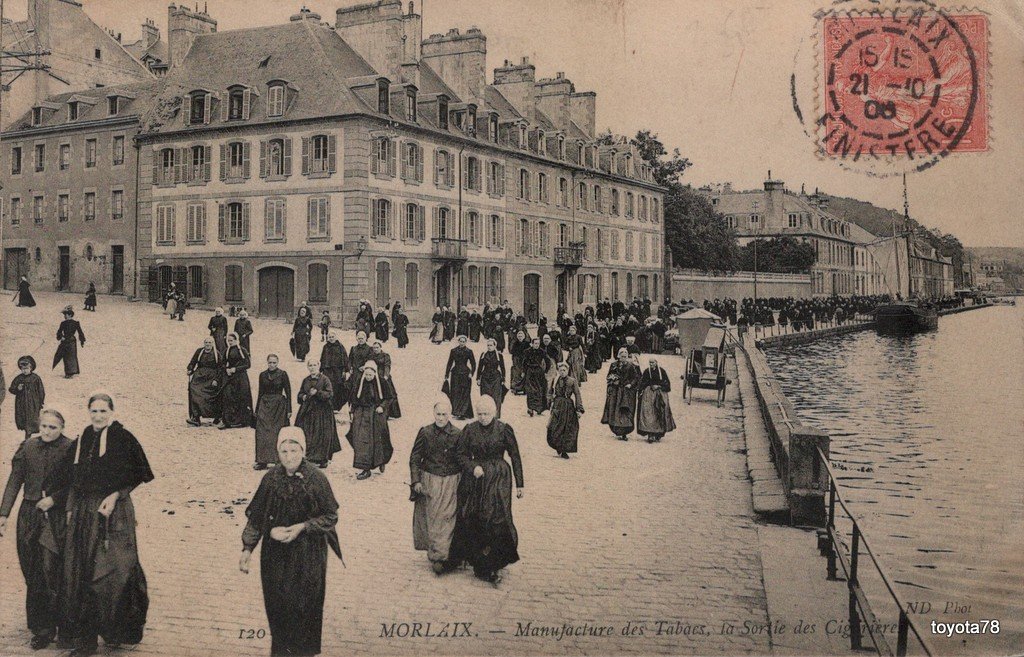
[(778, 255)]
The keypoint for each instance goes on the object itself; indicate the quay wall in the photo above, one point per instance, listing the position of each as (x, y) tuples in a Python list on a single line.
[(700, 285)]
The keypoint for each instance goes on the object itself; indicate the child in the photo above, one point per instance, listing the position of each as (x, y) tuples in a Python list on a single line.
[(325, 326), (29, 394)]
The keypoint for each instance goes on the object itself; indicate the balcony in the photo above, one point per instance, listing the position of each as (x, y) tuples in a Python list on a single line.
[(569, 256), (447, 249)]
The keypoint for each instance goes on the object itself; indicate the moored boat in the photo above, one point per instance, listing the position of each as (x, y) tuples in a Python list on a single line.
[(904, 318)]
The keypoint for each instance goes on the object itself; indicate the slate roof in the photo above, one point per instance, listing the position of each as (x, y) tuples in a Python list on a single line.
[(143, 93)]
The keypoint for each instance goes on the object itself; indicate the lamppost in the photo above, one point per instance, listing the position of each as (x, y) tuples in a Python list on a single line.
[(756, 220)]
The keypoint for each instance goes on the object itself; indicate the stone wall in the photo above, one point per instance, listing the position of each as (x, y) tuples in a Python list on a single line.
[(698, 285)]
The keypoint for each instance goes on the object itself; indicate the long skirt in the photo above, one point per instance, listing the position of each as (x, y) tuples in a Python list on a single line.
[(462, 395), (40, 537), (402, 335), (437, 333), (496, 389), (536, 386), (26, 299), (516, 378), (577, 370), (620, 410), (204, 394), (105, 590), (370, 438), (271, 416), (338, 385), (301, 344), (563, 426), (593, 360), (294, 577), (433, 517), (316, 419), (67, 351), (654, 415), (484, 532), (237, 399), (172, 307)]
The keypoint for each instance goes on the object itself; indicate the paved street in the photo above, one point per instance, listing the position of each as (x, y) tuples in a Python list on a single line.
[(623, 533)]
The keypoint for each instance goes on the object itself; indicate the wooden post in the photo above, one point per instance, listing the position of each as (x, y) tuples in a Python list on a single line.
[(901, 637), (852, 584)]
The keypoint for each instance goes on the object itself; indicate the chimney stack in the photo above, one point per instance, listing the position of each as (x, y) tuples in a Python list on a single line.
[(461, 61), (183, 26), (515, 82), (382, 34)]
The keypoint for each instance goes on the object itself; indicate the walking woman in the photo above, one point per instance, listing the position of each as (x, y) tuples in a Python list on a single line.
[(517, 349), (593, 359), (383, 360), (273, 410), (434, 471), (381, 325), (401, 328), (620, 404), (368, 431), (316, 416), (458, 374), (566, 409), (236, 395), (334, 365), (218, 326), (104, 586), (67, 349), (90, 297), (42, 465), (302, 329), (490, 375), (535, 381), (206, 378), (294, 513), (243, 327), (575, 358), (484, 532), (654, 415), (24, 294), (29, 396), (437, 332)]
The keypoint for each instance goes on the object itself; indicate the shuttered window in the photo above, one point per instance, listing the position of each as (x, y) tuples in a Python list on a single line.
[(318, 282)]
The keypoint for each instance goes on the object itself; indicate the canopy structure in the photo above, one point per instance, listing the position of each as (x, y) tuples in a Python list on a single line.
[(693, 326)]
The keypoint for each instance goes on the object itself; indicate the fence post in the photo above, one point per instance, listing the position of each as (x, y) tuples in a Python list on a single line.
[(901, 637), (851, 585), (831, 530)]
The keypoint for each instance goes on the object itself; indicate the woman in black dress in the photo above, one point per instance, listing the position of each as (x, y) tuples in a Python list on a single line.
[(401, 328), (67, 349), (458, 374), (484, 532), (104, 585), (218, 326), (316, 416), (620, 404), (24, 294), (368, 431), (243, 327), (206, 378), (517, 349), (566, 408), (29, 395), (90, 297), (273, 410), (302, 329), (294, 513), (334, 365), (381, 325), (490, 375), (237, 393), (437, 332)]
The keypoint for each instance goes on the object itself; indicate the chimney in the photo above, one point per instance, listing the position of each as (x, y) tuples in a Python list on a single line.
[(183, 26), (553, 99), (583, 111), (381, 34), (461, 61), (515, 82), (306, 15), (774, 191), (150, 33)]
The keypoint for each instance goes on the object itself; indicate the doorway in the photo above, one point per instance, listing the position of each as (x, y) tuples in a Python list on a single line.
[(277, 292), (443, 287), (15, 266), (531, 297), (64, 277), (117, 282)]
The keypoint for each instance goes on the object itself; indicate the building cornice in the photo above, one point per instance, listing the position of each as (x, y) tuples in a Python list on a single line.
[(77, 126)]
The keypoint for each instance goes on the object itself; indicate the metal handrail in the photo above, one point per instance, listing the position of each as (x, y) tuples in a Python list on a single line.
[(857, 597)]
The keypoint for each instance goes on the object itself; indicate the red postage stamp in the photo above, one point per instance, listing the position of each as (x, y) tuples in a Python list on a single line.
[(906, 83)]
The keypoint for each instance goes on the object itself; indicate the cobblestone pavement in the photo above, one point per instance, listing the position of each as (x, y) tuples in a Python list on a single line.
[(622, 535)]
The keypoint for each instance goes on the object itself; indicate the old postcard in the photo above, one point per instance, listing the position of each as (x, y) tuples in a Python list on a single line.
[(511, 327)]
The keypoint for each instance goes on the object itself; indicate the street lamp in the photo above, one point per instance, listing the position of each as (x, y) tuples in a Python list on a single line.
[(757, 233)]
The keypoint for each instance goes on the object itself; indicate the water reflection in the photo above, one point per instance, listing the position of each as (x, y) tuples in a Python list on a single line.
[(926, 436)]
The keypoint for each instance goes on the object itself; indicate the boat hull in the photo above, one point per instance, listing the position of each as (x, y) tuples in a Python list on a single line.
[(904, 319)]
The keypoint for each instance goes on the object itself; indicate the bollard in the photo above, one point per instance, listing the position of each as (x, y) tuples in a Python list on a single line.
[(808, 479)]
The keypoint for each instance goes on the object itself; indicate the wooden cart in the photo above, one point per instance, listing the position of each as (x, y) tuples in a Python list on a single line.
[(705, 366)]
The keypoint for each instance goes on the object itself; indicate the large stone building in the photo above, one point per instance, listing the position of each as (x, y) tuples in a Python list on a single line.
[(329, 164)]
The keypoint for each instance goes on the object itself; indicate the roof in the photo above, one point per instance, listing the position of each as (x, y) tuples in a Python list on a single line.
[(698, 313), (256, 56), (158, 50), (137, 101), (497, 101)]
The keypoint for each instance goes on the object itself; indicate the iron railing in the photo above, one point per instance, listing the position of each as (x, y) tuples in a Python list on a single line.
[(569, 256), (445, 248), (831, 543)]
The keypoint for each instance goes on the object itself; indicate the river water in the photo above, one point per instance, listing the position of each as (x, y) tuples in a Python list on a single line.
[(928, 437)]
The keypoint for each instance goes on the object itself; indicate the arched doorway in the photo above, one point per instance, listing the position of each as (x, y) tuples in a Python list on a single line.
[(277, 292), (531, 297)]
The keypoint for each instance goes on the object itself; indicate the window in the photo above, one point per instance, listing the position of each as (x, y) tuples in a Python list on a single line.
[(475, 289), (524, 185), (629, 246), (40, 157), (276, 158), (643, 248), (598, 199), (112, 105), (383, 283), (413, 227), (410, 104), (384, 162), (472, 177), (412, 284), (195, 223), (563, 235), (494, 285), (166, 170), (117, 204), (629, 204), (198, 109), (165, 224), (412, 162), (237, 162), (599, 246), (319, 217), (586, 242), (496, 239), (615, 202), (64, 157), (236, 101), (563, 192), (90, 206), (643, 208), (474, 229), (234, 226), (561, 147), (581, 197), (655, 249), (523, 243), (199, 169), (117, 150), (755, 218), (542, 187), (15, 211), (62, 207), (90, 153), (72, 111), (542, 143), (383, 97), (382, 218), (444, 176), (496, 179), (37, 116), (97, 53), (613, 246), (274, 219), (233, 283), (322, 155), (492, 128), (317, 282), (37, 209), (442, 223), (16, 160), (544, 239), (794, 220), (655, 211), (442, 112), (471, 121), (196, 282), (275, 100)]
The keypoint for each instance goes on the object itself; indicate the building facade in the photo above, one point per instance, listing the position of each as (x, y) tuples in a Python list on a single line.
[(331, 164)]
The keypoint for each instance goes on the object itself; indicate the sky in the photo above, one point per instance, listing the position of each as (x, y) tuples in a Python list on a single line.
[(711, 78)]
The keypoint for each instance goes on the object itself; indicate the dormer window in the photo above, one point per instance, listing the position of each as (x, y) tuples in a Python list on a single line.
[(492, 128), (112, 106), (197, 111), (471, 122), (561, 147), (235, 102), (522, 136), (442, 112), (73, 111), (579, 153), (542, 144), (383, 96), (37, 116), (410, 104), (275, 100)]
